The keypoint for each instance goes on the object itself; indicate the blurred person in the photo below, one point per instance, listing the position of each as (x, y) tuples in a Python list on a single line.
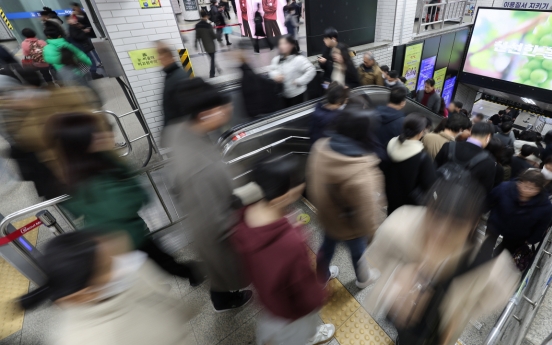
[(410, 173), (202, 187), (220, 24), (50, 18), (206, 33), (175, 77), (432, 14), (521, 162), (496, 119), (292, 70), (259, 30), (245, 19), (52, 51), (477, 118), (32, 48), (343, 70), (286, 284), (533, 139), (325, 61), (109, 295), (547, 150), (270, 19), (455, 107), (346, 186), (506, 162), (78, 35), (403, 79), (391, 117), (505, 134), (292, 26), (465, 112), (520, 213), (213, 10), (234, 7), (52, 15), (496, 148), (394, 81), (429, 97), (452, 127), (70, 74), (546, 171), (225, 8), (385, 72), (103, 189), (369, 71), (513, 113), (429, 286), (82, 17), (471, 155), (443, 111), (466, 133), (325, 114)]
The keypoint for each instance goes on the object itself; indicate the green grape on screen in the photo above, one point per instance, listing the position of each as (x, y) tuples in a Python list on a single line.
[(547, 65), (539, 76), (524, 73), (546, 85)]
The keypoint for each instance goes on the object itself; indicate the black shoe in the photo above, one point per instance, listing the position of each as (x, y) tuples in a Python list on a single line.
[(197, 276), (238, 300), (228, 44), (34, 298)]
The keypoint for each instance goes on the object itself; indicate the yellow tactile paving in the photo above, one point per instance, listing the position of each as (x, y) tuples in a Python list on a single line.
[(340, 305), (361, 329), (12, 285)]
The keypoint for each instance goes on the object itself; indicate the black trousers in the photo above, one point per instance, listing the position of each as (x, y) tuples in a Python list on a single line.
[(247, 29), (234, 7), (226, 6), (256, 44), (212, 71), (165, 261), (290, 102), (272, 28), (219, 36), (488, 250)]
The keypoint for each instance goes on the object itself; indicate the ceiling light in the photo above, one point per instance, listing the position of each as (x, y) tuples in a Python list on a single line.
[(528, 100)]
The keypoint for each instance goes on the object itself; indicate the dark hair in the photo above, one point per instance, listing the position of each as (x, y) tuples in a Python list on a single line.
[(344, 51), (276, 176), (73, 133), (44, 13), (204, 14), (330, 33), (506, 118), (495, 147), (359, 125), (479, 116), (458, 104), (75, 4), (52, 30), (397, 95), (200, 96), (548, 160), (413, 125), (68, 58), (465, 112), (441, 126), (507, 154), (385, 68), (502, 112), (527, 150), (457, 122), (360, 101), (289, 39), (506, 127), (28, 33), (337, 93), (403, 79), (529, 136), (430, 82), (69, 261), (393, 74), (447, 198), (533, 176), (482, 129), (548, 137)]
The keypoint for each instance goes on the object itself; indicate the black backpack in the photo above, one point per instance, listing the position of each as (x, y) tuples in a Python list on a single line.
[(460, 172)]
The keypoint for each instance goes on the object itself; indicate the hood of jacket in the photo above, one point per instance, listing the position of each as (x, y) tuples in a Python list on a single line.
[(341, 160), (58, 42), (535, 202), (264, 235), (399, 152), (204, 25), (388, 114)]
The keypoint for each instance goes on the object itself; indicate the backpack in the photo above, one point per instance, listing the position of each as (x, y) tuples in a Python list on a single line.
[(35, 52), (459, 172)]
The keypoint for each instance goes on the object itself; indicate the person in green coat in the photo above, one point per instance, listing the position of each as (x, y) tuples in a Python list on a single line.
[(52, 51), (103, 189)]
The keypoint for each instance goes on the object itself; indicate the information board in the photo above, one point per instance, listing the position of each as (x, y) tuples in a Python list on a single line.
[(412, 57), (144, 58)]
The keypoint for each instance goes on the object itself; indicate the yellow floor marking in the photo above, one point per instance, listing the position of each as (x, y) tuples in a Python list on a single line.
[(12, 285), (361, 329)]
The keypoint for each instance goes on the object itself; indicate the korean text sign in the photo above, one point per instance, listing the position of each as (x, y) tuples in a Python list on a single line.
[(144, 58)]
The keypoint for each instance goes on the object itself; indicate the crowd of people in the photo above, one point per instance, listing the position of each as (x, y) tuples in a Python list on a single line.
[(404, 194)]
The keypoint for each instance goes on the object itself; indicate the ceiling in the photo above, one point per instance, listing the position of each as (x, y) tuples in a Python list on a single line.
[(514, 98)]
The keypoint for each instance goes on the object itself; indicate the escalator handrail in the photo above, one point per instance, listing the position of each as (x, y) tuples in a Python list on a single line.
[(259, 150)]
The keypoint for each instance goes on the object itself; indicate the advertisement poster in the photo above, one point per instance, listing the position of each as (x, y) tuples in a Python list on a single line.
[(448, 89), (272, 12), (412, 59), (439, 77), (190, 5), (514, 46), (150, 3), (426, 71), (144, 58)]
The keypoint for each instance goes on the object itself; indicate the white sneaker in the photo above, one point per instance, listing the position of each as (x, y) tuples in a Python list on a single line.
[(334, 272), (323, 334), (373, 275)]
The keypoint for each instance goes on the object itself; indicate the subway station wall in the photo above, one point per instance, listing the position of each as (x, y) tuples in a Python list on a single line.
[(354, 19)]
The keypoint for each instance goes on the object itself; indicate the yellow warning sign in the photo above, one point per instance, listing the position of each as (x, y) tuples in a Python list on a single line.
[(3, 15), (303, 218), (144, 58), (150, 3), (186, 62)]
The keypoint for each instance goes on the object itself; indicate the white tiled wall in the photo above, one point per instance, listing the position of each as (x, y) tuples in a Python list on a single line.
[(393, 18), (129, 27), (465, 95), (383, 55)]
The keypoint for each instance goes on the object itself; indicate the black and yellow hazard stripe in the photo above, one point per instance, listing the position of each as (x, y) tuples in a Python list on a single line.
[(6, 19), (186, 62)]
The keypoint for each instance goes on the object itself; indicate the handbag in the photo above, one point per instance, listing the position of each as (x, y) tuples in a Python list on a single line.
[(523, 256), (27, 62), (227, 30)]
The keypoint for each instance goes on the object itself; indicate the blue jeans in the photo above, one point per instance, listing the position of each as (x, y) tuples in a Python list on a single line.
[(93, 67), (326, 252)]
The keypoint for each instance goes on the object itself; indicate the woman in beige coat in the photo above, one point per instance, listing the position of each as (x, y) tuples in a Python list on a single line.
[(346, 186)]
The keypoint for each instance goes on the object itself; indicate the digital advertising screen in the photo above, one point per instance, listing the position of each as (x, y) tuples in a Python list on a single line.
[(439, 77), (412, 57), (448, 90), (512, 45), (426, 71), (273, 17)]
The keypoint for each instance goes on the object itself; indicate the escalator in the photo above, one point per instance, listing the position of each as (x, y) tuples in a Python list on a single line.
[(286, 132)]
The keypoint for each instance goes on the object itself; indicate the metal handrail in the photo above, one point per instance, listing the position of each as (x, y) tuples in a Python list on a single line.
[(445, 9), (259, 150), (123, 132), (519, 295)]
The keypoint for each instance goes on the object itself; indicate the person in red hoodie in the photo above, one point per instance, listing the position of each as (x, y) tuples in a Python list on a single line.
[(271, 25), (245, 19), (275, 255)]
